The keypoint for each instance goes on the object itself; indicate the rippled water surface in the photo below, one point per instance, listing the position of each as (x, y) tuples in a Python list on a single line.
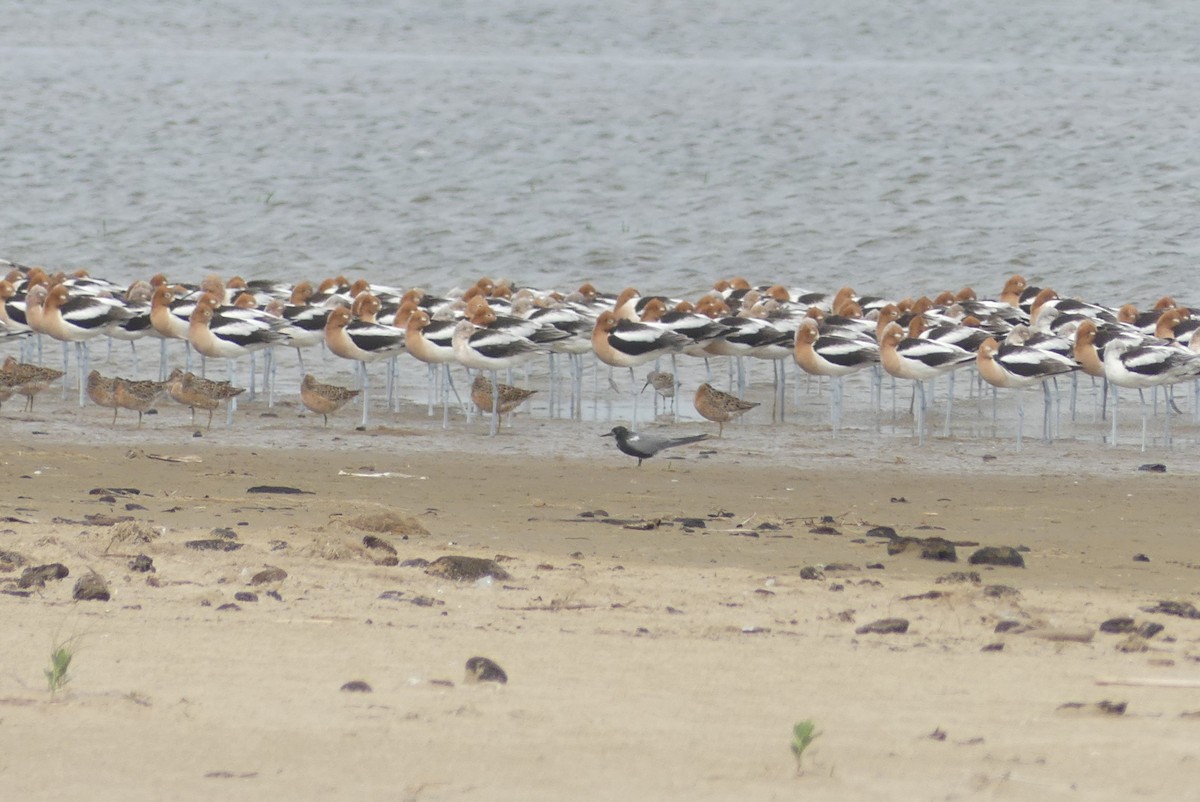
[(896, 146)]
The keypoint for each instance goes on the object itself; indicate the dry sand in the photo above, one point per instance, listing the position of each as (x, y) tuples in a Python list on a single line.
[(660, 663)]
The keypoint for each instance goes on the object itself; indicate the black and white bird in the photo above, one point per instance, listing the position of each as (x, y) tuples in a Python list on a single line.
[(621, 343), (700, 329), (1142, 366), (920, 360), (306, 321), (362, 342), (478, 346), (645, 446), (75, 319), (832, 355), (1020, 366)]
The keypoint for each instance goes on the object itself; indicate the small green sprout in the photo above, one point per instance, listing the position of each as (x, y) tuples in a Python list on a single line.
[(803, 734), (57, 675)]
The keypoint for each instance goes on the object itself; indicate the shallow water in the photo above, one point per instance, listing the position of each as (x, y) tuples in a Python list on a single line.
[(872, 434), (899, 148), (896, 147)]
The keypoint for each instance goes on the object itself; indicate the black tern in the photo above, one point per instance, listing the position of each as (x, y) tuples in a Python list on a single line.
[(645, 446)]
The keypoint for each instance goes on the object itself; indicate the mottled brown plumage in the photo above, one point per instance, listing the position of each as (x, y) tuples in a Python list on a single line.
[(662, 381), (510, 397), (720, 407), (324, 399), (6, 388), (103, 392), (137, 395), (196, 391), (28, 380)]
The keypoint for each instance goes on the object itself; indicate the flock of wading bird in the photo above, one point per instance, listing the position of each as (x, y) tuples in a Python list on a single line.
[(1025, 337)]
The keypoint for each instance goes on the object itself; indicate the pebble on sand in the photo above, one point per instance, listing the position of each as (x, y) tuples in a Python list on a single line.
[(997, 555), (929, 548), (142, 564), (268, 575), (1179, 608), (955, 577), (91, 587), (884, 626), (213, 544), (1117, 626), (373, 542), (1104, 707), (384, 552), (39, 575), (1133, 644), (482, 669), (11, 560), (466, 569), (1148, 629)]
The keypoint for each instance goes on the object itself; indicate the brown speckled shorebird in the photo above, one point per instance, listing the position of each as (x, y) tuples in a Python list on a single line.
[(662, 381), (103, 392), (195, 391), (664, 385), (137, 395), (28, 380), (324, 399), (510, 397), (720, 407), (6, 387)]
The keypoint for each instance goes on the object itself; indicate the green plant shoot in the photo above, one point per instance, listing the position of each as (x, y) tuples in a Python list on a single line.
[(57, 675), (803, 734)]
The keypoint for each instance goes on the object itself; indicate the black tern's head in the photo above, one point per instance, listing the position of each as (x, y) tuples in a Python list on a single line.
[(617, 431)]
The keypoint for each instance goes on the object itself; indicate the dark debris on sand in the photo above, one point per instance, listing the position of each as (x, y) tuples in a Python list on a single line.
[(466, 569), (483, 669), (997, 555), (39, 575), (884, 626)]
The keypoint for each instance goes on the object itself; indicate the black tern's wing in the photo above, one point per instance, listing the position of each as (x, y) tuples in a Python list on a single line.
[(634, 445), (645, 445)]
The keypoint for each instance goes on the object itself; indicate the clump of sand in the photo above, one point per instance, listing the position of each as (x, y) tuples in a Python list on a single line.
[(133, 532), (389, 523)]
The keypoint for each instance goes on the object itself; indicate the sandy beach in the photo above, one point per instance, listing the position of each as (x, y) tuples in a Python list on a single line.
[(658, 638), (274, 609)]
